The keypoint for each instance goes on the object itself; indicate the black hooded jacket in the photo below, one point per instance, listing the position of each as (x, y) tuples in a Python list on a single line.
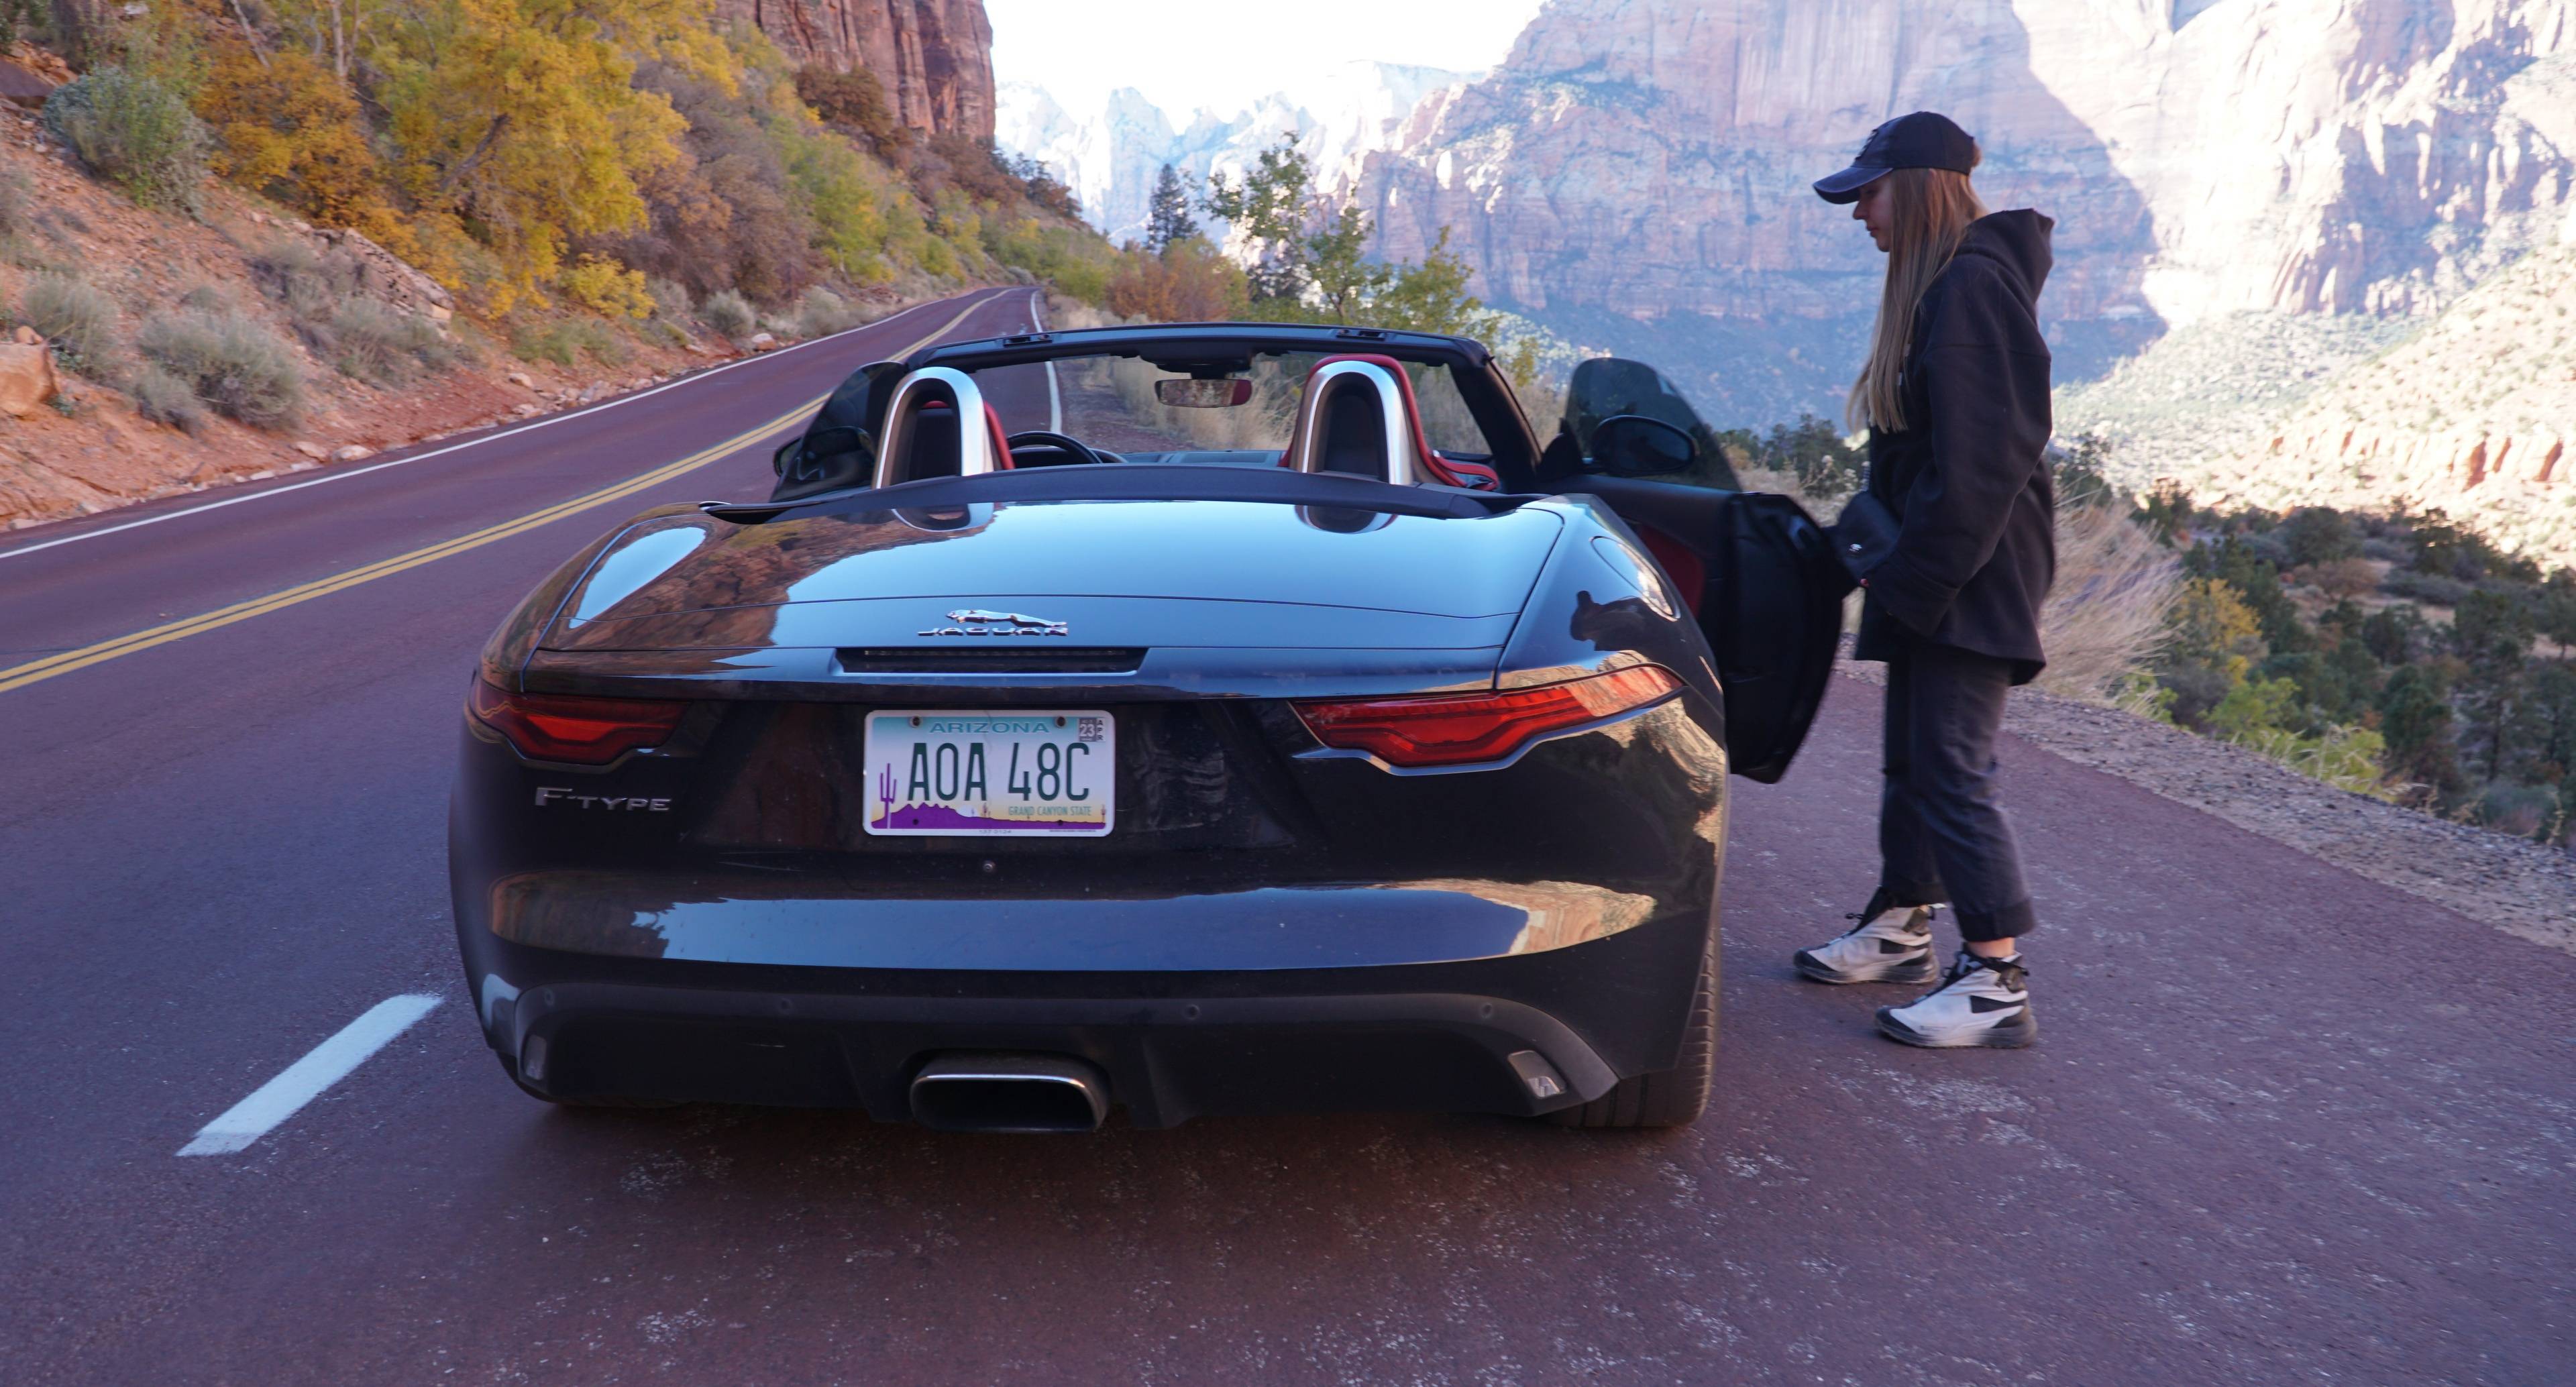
[(1968, 481)]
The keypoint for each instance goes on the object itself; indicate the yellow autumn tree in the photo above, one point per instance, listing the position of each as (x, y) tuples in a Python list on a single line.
[(287, 125), (518, 123)]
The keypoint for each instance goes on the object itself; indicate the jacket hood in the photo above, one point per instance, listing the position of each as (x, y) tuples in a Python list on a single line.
[(2016, 240)]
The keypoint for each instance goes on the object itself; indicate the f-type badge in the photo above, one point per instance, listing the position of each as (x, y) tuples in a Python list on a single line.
[(975, 621)]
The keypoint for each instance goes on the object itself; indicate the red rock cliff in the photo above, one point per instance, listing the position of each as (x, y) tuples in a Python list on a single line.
[(934, 57)]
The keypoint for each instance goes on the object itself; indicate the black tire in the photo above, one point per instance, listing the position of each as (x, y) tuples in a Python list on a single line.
[(591, 1101), (1672, 1097)]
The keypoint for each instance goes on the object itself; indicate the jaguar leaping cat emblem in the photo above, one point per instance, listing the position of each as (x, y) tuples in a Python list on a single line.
[(976, 621)]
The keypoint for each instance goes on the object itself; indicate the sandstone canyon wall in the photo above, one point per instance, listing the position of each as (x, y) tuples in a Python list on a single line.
[(1635, 173), (934, 57)]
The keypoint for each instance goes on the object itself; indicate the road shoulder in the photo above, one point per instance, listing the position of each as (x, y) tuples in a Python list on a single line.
[(2518, 887)]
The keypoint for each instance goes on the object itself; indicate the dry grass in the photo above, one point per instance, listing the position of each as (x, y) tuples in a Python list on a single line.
[(2105, 618)]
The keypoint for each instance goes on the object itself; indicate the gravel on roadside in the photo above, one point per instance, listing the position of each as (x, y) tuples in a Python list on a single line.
[(2517, 886)]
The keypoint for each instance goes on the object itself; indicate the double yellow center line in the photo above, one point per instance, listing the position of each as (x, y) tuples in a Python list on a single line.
[(37, 671)]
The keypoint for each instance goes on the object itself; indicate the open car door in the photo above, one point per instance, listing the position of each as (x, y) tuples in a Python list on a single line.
[(1759, 572)]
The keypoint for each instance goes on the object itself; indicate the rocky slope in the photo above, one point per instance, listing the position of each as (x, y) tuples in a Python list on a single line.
[(2473, 412), (1110, 157), (1635, 173), (87, 450), (934, 57)]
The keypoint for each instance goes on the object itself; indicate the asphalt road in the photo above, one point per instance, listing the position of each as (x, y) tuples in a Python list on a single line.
[(2284, 1125)]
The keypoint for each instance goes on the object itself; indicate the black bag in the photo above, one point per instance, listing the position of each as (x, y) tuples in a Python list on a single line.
[(1864, 535)]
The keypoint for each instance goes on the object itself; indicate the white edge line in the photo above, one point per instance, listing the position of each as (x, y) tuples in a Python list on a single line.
[(303, 1081), (507, 432), (1055, 398)]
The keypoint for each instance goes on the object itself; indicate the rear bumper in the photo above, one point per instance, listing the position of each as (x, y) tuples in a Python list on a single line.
[(1488, 1035)]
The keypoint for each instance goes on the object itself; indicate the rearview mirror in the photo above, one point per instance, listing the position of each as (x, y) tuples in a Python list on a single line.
[(1202, 394), (1631, 445)]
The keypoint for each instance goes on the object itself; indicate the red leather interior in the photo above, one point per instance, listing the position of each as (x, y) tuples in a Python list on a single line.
[(1472, 474), (1001, 439), (1450, 473), (1681, 563)]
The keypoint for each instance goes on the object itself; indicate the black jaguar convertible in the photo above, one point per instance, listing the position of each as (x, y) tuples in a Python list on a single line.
[(1279, 728)]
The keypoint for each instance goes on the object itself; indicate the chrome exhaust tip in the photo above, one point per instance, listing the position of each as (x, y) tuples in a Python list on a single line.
[(1009, 1093)]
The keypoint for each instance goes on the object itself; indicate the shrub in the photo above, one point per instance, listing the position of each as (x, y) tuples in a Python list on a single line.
[(670, 297), (2434, 588), (2340, 578), (78, 320), (2521, 810), (379, 345), (310, 284), (232, 361), (15, 199), (165, 399), (2215, 639), (604, 286), (133, 131), (822, 313), (2347, 758), (564, 341), (729, 313)]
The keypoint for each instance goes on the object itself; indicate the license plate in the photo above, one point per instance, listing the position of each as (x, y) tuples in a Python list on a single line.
[(991, 774)]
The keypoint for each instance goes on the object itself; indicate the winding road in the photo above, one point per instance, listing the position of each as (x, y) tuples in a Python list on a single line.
[(2285, 1125)]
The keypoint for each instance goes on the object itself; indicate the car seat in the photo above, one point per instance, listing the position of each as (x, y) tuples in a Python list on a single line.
[(923, 437), (1358, 416)]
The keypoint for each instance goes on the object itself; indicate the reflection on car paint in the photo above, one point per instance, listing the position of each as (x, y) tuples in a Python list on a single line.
[(1367, 925), (1443, 566), (626, 569)]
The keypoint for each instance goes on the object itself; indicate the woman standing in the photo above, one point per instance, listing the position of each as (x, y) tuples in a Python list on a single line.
[(1955, 395)]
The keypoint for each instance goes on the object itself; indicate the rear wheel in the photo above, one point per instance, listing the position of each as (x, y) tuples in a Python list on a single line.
[(1672, 1097)]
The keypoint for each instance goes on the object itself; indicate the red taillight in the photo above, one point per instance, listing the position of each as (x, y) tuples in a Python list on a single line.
[(1464, 729), (564, 727)]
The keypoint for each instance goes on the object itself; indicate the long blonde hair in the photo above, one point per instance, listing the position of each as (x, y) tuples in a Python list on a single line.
[(1930, 210)]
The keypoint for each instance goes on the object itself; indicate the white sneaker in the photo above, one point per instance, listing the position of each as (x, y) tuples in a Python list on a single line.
[(1892, 943), (1981, 1001)]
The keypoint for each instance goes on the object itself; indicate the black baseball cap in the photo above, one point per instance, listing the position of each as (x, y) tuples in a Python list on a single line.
[(1923, 140)]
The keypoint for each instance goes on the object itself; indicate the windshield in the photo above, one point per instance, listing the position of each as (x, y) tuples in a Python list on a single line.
[(1109, 403)]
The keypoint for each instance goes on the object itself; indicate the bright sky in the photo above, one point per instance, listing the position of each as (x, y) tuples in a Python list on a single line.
[(1183, 55)]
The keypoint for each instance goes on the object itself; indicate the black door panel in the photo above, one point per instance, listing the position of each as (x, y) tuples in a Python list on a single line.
[(1768, 596)]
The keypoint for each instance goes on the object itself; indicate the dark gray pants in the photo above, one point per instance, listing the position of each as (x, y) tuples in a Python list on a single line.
[(1941, 833)]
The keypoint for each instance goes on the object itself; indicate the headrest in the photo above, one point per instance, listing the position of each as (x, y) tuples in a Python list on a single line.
[(1326, 419), (926, 398)]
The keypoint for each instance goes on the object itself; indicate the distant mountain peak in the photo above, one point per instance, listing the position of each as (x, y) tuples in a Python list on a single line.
[(1111, 155)]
